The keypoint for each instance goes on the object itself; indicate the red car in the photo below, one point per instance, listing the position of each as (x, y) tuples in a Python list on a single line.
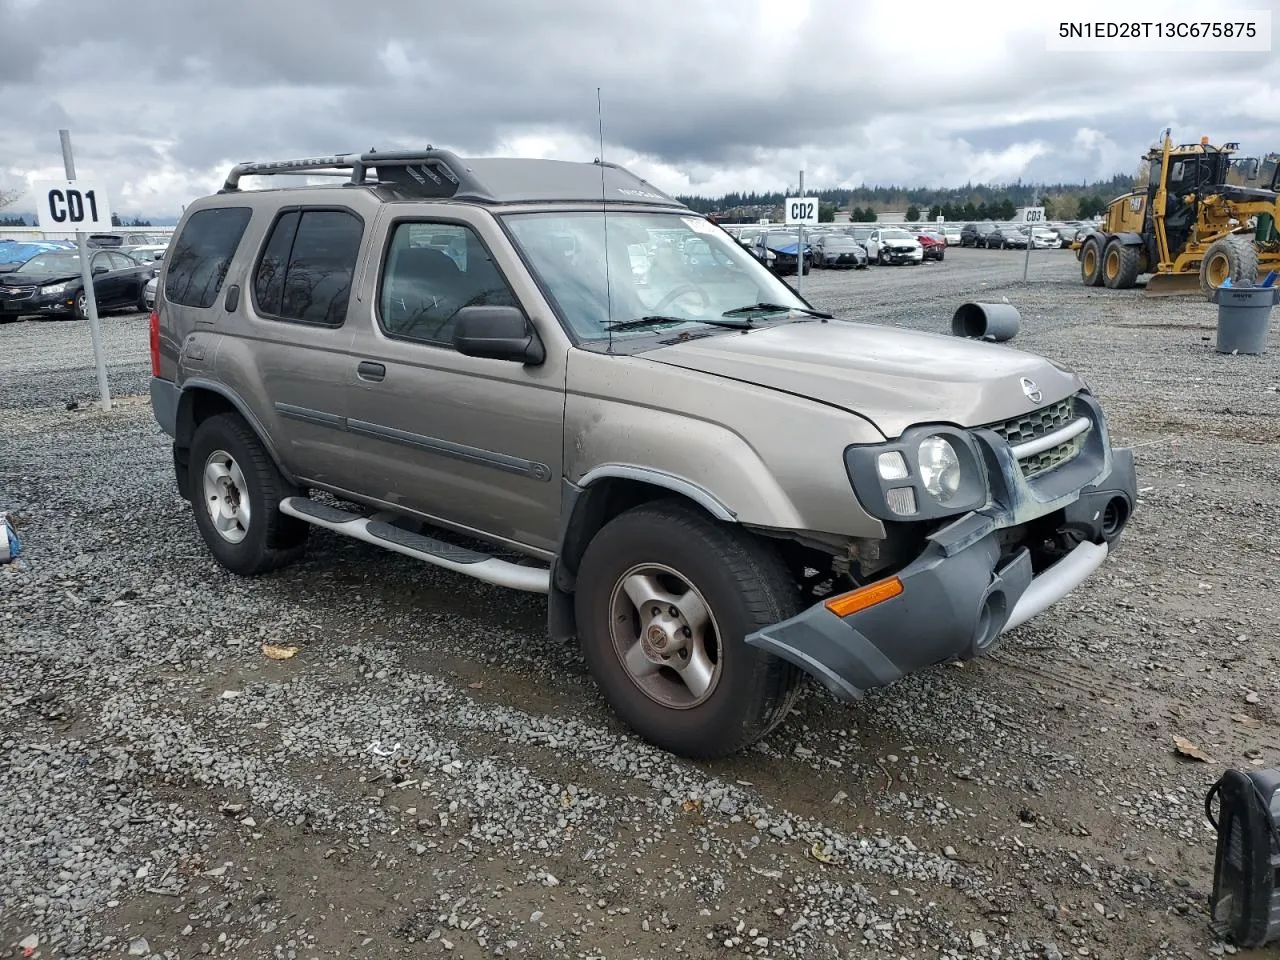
[(933, 245)]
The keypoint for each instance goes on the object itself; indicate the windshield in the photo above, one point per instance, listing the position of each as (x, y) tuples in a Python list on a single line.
[(51, 263), (895, 235), (695, 271)]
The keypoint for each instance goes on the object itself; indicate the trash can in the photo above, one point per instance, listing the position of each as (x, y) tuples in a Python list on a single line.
[(1243, 318)]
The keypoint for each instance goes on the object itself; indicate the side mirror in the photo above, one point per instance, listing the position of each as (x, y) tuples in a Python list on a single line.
[(98, 270), (498, 333)]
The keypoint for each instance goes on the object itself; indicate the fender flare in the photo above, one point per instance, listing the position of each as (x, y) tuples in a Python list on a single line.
[(1128, 239), (658, 478), (183, 429)]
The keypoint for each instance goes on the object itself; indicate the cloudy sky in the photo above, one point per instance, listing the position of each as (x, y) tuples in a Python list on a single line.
[(703, 96)]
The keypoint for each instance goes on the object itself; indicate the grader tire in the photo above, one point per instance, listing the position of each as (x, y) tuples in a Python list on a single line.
[(1091, 263), (1120, 265), (1233, 257)]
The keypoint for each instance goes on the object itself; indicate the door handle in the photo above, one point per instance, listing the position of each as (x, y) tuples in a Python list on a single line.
[(368, 370)]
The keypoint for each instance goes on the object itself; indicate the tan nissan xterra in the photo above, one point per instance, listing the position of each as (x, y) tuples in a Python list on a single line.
[(553, 377)]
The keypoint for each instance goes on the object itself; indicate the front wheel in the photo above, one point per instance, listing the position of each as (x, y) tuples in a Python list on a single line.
[(82, 306), (235, 490), (664, 601)]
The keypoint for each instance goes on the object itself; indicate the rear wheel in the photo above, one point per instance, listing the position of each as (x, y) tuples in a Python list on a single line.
[(664, 600), (1091, 263), (235, 490), (1233, 257), (1120, 265)]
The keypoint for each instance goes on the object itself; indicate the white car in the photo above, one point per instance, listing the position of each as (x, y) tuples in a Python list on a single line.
[(952, 233), (893, 245), (147, 253), (1043, 238)]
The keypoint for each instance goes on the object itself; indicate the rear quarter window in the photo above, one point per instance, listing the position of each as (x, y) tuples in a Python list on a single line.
[(202, 253)]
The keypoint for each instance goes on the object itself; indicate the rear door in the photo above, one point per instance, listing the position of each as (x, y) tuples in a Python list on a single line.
[(128, 277), (475, 444), (288, 352)]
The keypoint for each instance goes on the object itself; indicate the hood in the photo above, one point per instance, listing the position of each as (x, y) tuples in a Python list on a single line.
[(784, 246), (36, 279), (900, 242), (893, 377)]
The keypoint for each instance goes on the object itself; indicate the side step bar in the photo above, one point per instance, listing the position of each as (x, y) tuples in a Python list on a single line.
[(427, 549)]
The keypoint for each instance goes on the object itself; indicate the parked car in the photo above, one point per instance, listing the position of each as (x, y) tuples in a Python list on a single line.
[(779, 249), (951, 232), (14, 254), (838, 251), (933, 245), (860, 234), (972, 234), (50, 285), (1004, 238), (148, 253), (716, 494), (1043, 238), (894, 245)]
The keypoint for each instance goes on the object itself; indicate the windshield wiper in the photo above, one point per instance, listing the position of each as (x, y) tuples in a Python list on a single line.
[(775, 308), (639, 323)]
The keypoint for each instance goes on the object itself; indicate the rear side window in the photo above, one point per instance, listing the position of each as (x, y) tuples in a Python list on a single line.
[(304, 274), (202, 253)]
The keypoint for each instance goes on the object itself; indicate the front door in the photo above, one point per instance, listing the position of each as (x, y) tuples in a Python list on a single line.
[(473, 443)]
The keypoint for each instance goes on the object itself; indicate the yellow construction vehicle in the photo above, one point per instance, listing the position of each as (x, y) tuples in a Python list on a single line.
[(1190, 228)]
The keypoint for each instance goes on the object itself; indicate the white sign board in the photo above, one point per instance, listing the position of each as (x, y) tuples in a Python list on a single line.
[(939, 218), (71, 205), (1033, 214), (801, 210)]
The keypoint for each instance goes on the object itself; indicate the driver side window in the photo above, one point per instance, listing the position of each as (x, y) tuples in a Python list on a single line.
[(430, 272)]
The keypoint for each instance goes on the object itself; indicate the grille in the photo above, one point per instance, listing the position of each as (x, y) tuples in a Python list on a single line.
[(1037, 423), (17, 293)]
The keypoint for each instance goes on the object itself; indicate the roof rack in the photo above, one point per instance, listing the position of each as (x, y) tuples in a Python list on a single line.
[(442, 174), (432, 172)]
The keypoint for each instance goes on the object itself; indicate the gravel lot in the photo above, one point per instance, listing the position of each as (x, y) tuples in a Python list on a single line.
[(431, 776)]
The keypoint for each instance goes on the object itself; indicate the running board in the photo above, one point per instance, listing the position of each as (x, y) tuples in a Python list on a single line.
[(472, 563)]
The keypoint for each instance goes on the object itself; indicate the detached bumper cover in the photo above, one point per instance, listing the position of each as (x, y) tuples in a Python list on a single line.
[(958, 596)]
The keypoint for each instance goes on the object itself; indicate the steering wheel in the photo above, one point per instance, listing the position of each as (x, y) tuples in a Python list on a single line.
[(679, 291)]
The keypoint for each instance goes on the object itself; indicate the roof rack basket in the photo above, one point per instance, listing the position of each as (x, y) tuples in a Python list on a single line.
[(431, 172)]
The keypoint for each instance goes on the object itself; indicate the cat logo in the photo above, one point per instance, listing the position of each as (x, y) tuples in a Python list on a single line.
[(1135, 204)]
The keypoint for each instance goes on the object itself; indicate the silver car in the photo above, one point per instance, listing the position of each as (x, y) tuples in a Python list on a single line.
[(719, 489)]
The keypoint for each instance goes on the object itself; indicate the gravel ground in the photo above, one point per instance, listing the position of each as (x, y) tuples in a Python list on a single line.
[(430, 775)]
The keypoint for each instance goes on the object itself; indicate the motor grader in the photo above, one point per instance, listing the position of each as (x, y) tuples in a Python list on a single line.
[(1190, 227)]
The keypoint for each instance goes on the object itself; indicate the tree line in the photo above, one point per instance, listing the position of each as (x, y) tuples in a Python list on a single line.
[(970, 202)]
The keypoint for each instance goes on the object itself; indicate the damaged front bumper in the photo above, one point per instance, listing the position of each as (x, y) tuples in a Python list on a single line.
[(966, 587)]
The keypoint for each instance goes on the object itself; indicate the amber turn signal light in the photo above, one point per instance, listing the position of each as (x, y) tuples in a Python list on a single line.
[(863, 597)]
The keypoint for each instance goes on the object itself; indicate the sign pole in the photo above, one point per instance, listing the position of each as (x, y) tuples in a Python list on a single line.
[(86, 277), (1031, 238), (800, 245)]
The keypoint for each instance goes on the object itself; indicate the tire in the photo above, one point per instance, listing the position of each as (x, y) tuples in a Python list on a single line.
[(1120, 265), (941, 254), (1232, 256), (880, 258), (142, 298), (264, 538), (1091, 263), (81, 311), (744, 586)]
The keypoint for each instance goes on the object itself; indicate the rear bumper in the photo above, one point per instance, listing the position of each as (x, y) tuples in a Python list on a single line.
[(164, 404), (957, 597)]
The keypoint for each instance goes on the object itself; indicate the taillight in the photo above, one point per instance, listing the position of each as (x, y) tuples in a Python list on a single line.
[(155, 343)]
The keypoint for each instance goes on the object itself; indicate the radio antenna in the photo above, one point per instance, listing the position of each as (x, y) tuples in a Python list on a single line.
[(604, 220)]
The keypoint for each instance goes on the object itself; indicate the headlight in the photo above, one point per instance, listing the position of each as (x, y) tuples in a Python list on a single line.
[(939, 468), (54, 289)]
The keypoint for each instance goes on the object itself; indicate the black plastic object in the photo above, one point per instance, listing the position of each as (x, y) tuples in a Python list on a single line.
[(986, 321), (1245, 906)]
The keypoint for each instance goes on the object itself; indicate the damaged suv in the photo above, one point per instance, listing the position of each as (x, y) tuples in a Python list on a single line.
[(720, 489)]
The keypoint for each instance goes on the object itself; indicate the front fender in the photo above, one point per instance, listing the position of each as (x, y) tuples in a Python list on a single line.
[(761, 457)]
